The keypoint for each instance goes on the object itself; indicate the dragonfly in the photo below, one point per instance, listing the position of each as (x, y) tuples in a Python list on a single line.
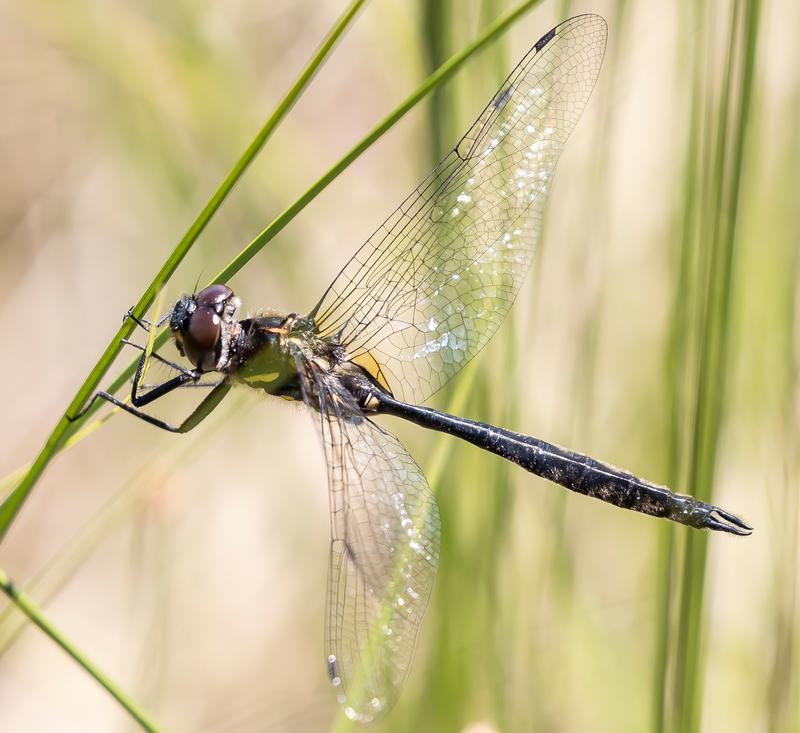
[(414, 304)]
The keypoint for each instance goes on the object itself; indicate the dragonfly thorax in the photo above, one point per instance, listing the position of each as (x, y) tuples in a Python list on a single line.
[(264, 354)]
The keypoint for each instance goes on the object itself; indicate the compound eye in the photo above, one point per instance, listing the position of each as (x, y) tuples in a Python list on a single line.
[(204, 329), (214, 295)]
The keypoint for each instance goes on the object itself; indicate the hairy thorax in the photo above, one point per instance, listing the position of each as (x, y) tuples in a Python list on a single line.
[(285, 356)]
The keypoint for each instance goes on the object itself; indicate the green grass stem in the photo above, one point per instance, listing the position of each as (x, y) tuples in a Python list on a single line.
[(32, 611), (64, 428), (14, 502), (726, 176), (676, 376)]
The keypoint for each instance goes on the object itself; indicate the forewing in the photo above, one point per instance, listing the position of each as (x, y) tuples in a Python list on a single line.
[(384, 551), (426, 292)]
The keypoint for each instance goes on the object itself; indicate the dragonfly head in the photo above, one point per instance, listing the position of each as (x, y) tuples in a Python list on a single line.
[(201, 325)]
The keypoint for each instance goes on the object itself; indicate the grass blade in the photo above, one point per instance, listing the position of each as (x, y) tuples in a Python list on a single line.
[(12, 505), (442, 74), (726, 176), (31, 610), (63, 428), (678, 373)]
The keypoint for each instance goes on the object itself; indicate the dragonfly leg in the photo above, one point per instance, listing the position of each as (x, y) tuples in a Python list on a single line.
[(143, 323), (174, 365), (130, 409), (199, 414), (187, 377), (140, 400)]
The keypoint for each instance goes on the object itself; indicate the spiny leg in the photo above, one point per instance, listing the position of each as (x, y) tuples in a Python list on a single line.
[(200, 413), (186, 377), (143, 323), (174, 365), (203, 410), (140, 400)]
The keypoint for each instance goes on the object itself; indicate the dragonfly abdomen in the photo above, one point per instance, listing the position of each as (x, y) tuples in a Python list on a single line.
[(574, 471)]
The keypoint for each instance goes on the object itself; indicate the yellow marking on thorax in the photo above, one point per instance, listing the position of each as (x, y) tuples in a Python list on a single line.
[(255, 378)]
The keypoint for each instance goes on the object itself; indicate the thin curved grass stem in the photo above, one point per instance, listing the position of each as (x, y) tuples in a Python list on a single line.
[(32, 611), (64, 428), (444, 72)]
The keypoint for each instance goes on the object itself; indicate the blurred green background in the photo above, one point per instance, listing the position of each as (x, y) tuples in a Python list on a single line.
[(658, 331)]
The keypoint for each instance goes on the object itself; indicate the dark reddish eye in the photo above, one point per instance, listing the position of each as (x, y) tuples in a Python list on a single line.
[(213, 295), (204, 329)]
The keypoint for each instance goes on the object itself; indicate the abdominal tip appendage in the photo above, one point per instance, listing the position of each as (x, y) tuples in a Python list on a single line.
[(722, 521)]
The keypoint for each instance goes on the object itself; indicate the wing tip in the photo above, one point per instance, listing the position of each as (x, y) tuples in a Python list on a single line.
[(370, 711), (577, 21)]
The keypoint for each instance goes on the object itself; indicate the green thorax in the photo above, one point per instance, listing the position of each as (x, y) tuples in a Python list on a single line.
[(265, 358), (269, 350), (269, 368)]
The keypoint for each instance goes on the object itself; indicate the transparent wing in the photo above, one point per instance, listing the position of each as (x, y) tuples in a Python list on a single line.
[(426, 292), (384, 551)]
